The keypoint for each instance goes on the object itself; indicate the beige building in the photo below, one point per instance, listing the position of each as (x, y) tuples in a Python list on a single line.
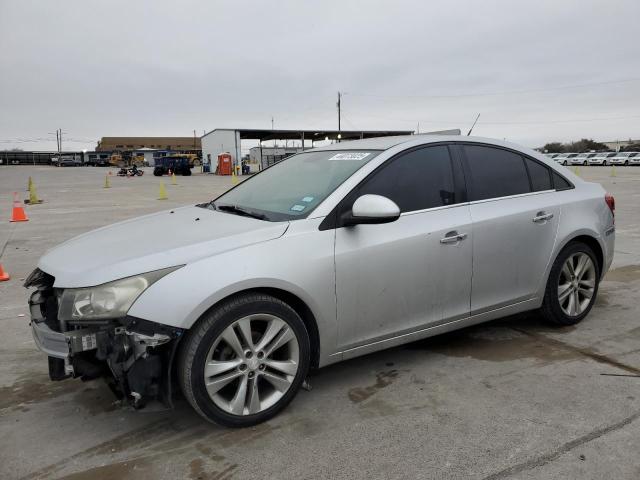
[(618, 144), (180, 144)]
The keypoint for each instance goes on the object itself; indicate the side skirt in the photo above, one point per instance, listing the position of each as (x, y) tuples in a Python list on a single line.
[(434, 330)]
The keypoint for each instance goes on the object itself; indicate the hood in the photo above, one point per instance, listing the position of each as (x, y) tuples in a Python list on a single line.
[(160, 240)]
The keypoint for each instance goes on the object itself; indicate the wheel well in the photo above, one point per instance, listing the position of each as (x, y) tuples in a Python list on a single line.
[(594, 245), (301, 309)]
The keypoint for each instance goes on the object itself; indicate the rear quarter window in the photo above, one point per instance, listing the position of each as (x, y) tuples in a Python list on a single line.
[(560, 183)]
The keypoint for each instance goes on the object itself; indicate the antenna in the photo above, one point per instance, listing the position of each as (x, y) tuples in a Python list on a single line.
[(474, 124)]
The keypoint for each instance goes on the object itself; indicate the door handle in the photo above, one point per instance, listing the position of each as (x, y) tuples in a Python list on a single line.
[(453, 237), (542, 217)]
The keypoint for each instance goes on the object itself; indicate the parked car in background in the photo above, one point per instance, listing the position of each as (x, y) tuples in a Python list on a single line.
[(602, 158), (551, 155), (330, 254), (582, 158), (70, 161), (634, 158), (622, 158), (564, 158)]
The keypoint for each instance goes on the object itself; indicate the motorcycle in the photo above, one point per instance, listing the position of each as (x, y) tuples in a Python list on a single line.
[(130, 172)]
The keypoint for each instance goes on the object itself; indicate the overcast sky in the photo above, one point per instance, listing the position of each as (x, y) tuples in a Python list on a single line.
[(537, 70)]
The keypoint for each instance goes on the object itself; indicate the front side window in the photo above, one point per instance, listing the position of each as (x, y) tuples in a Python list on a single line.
[(294, 187), (495, 172), (415, 180)]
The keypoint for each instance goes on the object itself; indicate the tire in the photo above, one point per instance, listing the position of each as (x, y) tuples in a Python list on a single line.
[(158, 171), (205, 343), (553, 309), (604, 163), (584, 163), (626, 163), (186, 172), (564, 163)]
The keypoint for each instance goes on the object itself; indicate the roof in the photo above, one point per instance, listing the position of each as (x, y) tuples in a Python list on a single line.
[(384, 143), (268, 134)]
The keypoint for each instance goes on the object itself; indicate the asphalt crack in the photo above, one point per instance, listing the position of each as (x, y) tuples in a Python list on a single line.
[(565, 448)]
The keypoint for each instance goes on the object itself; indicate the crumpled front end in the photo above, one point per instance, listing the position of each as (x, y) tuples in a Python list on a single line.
[(135, 356)]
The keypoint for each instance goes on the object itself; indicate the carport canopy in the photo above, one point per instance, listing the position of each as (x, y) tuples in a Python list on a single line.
[(310, 135)]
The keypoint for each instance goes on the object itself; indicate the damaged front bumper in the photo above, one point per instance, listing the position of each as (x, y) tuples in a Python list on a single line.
[(135, 356)]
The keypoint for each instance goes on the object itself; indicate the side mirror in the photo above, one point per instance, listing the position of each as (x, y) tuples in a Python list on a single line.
[(372, 209)]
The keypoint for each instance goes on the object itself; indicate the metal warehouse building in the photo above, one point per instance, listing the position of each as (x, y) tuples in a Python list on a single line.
[(229, 140)]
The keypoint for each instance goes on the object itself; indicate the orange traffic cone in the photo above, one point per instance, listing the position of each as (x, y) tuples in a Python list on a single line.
[(18, 214), (4, 276)]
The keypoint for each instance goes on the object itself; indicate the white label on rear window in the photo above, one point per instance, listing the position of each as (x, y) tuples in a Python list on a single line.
[(307, 199), (350, 156), (298, 208)]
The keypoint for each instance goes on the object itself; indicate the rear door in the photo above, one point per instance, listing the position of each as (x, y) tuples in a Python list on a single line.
[(399, 277), (515, 220)]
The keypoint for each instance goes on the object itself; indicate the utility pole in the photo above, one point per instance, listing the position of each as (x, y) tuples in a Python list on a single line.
[(338, 104)]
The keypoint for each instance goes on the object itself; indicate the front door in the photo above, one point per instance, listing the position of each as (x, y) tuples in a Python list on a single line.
[(403, 276)]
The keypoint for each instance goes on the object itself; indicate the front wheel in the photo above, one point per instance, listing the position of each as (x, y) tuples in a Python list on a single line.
[(572, 285), (244, 361), (604, 163)]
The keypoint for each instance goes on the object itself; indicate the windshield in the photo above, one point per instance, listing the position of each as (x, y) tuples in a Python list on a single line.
[(294, 187)]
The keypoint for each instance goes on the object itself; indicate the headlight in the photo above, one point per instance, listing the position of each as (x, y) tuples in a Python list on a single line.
[(110, 300)]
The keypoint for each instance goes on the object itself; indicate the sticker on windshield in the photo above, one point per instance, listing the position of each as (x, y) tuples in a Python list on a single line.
[(298, 208), (350, 156), (307, 199)]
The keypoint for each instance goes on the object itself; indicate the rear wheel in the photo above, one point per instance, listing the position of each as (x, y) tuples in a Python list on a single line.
[(626, 163), (572, 286), (604, 163), (564, 163), (244, 361), (584, 163)]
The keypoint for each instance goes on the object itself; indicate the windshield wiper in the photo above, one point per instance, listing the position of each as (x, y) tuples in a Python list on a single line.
[(239, 211)]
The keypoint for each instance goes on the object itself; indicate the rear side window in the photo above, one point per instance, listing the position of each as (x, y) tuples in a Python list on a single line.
[(416, 180), (539, 174), (495, 172), (559, 182)]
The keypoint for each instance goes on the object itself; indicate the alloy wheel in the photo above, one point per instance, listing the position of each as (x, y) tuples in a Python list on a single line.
[(576, 284), (252, 364)]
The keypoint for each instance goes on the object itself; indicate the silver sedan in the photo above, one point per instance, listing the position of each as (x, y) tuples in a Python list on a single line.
[(330, 254)]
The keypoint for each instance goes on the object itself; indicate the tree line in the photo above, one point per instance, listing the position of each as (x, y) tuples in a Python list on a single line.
[(584, 145)]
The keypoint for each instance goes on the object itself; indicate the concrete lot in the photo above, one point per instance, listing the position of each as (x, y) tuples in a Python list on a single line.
[(508, 399)]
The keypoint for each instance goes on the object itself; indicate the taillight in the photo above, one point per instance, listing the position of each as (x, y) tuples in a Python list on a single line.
[(611, 203)]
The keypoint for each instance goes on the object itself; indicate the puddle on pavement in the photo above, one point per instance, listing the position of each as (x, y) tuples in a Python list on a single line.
[(383, 380), (199, 471), (97, 400), (140, 469), (494, 344), (626, 274), (31, 389)]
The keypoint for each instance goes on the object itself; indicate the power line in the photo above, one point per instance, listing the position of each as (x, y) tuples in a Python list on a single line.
[(530, 122), (507, 92)]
